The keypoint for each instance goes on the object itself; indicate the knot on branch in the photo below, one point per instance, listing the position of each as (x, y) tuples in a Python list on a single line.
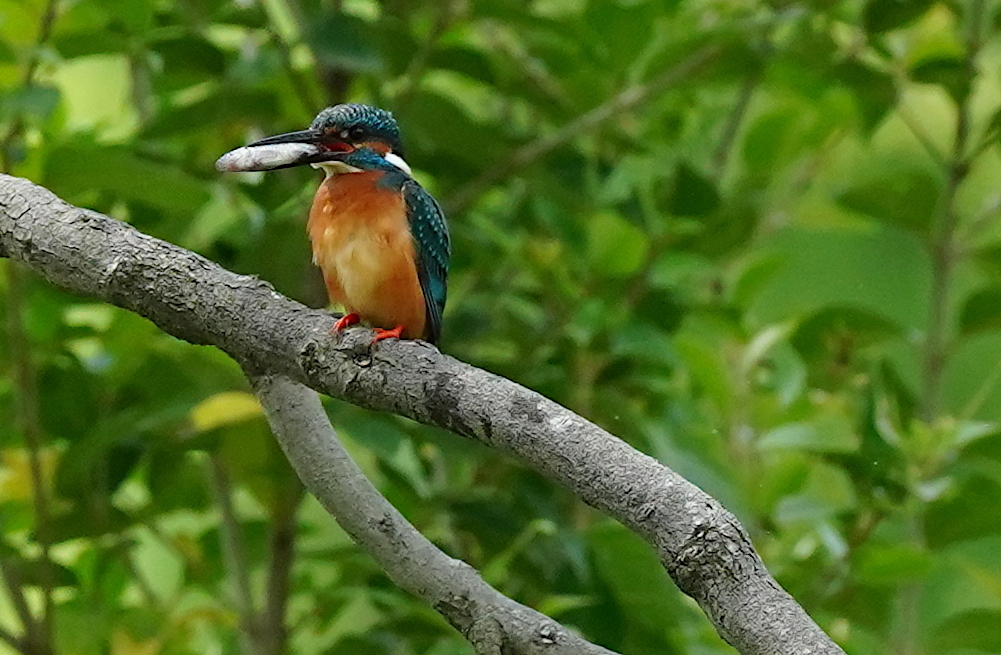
[(323, 352), (549, 634), (717, 544), (387, 526), (15, 206), (486, 635)]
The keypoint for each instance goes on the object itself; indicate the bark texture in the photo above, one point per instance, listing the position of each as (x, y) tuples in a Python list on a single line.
[(492, 622), (701, 544)]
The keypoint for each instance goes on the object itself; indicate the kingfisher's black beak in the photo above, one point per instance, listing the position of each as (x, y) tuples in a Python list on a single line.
[(302, 136), (282, 151)]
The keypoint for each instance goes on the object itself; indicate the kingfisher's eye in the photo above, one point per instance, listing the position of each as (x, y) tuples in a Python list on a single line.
[(356, 133)]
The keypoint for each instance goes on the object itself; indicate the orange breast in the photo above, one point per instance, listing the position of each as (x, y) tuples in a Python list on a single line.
[(361, 241)]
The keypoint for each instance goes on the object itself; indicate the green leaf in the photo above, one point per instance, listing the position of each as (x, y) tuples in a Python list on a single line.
[(971, 381), (67, 391), (225, 408), (254, 460), (392, 447), (707, 365), (187, 60), (879, 269), (341, 41), (98, 465), (893, 564), (751, 274), (225, 106), (34, 101), (83, 627), (833, 340), (7, 55), (616, 247), (253, 15), (639, 584), (993, 130), (897, 193), (98, 42), (884, 15), (73, 169), (558, 604), (948, 72), (981, 311), (692, 194), (765, 139), (176, 481), (37, 572), (662, 308), (877, 469), (874, 91), (468, 61), (830, 431), (826, 493), (860, 328), (971, 511), (135, 15), (437, 124), (978, 629), (620, 32), (79, 521)]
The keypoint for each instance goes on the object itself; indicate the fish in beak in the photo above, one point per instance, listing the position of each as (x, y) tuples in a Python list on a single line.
[(283, 151)]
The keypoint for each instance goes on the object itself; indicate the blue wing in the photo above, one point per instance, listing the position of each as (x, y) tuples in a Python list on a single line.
[(430, 233)]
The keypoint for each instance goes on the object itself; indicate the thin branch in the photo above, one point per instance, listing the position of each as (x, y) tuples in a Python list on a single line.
[(15, 591), (491, 621), (281, 555), (504, 39), (733, 122), (626, 100), (945, 255), (138, 577), (943, 245), (334, 80), (11, 640), (235, 553), (988, 140), (28, 77), (310, 100), (39, 632), (444, 18), (29, 421), (701, 545), (919, 132)]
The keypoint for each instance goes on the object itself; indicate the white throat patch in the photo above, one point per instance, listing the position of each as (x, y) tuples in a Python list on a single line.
[(397, 161), (340, 168), (335, 168)]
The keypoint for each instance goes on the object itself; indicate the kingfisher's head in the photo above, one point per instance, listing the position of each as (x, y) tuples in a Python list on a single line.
[(334, 136)]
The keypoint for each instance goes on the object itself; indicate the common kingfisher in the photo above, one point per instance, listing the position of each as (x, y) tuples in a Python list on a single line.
[(379, 238)]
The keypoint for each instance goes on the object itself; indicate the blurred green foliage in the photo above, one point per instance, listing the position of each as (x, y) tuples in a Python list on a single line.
[(780, 274)]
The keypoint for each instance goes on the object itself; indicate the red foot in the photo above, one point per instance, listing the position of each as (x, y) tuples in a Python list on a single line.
[(345, 321), (381, 334)]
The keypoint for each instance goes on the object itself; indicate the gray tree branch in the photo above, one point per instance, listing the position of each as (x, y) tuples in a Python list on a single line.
[(492, 622), (702, 546)]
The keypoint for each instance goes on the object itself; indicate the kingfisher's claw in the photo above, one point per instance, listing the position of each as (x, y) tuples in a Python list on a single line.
[(345, 321), (381, 334)]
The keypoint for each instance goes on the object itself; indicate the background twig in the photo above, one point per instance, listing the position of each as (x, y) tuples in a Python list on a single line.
[(624, 101)]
